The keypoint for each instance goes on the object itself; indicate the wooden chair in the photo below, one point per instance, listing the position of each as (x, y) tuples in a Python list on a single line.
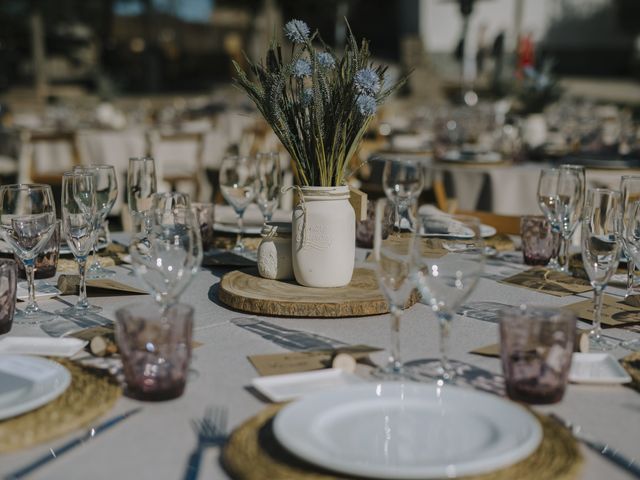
[(507, 224), (179, 159), (62, 151)]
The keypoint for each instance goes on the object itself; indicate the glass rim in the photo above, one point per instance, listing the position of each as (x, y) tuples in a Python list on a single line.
[(145, 158), (101, 166), (25, 186), (529, 309)]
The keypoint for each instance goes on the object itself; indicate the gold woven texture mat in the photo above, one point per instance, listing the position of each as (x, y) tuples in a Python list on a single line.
[(253, 453), (631, 364), (90, 394)]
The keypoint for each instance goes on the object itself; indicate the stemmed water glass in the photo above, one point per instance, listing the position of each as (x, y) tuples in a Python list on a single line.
[(600, 251), (393, 256), (80, 216), (106, 185), (449, 257), (269, 183), (168, 256), (27, 221), (238, 187), (560, 197), (402, 180), (142, 183), (630, 190), (631, 244)]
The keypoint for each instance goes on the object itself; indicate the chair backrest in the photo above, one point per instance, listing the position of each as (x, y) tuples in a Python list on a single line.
[(51, 154), (178, 154), (507, 224)]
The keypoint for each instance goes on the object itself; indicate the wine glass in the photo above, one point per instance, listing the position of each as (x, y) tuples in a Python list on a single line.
[(393, 256), (449, 257), (560, 197), (106, 185), (238, 186), (80, 216), (575, 217), (402, 181), (27, 221), (630, 190), (269, 183), (142, 183), (631, 244), (600, 251), (168, 256)]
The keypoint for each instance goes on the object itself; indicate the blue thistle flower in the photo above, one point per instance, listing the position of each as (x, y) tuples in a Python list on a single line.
[(326, 60), (367, 105), (302, 68), (297, 31), (367, 81), (307, 97)]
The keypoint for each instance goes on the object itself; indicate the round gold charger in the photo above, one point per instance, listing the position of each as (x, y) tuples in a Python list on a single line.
[(253, 453), (90, 394)]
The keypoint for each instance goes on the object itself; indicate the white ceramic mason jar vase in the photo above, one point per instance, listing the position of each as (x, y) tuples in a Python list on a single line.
[(324, 237)]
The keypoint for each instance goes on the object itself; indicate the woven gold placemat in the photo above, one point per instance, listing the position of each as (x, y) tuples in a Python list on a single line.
[(90, 394), (631, 364), (253, 453)]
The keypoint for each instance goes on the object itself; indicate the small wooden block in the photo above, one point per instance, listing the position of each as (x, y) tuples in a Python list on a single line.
[(358, 200)]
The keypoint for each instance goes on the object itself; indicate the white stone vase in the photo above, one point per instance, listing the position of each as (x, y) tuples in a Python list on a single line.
[(324, 237)]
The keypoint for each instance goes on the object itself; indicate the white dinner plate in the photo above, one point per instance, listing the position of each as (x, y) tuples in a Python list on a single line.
[(485, 231), (27, 383), (407, 431), (55, 347)]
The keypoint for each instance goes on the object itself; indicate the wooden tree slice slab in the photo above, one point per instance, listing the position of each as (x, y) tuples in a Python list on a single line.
[(247, 291)]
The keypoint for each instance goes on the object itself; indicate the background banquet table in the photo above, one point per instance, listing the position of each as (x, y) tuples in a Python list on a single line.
[(156, 443)]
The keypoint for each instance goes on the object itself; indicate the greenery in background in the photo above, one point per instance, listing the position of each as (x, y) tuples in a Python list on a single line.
[(318, 105), (537, 89)]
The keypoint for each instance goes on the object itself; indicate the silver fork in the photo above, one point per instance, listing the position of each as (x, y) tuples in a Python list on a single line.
[(212, 432)]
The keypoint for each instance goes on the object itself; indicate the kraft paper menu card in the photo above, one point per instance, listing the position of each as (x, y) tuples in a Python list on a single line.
[(548, 281), (69, 284), (305, 361), (615, 313)]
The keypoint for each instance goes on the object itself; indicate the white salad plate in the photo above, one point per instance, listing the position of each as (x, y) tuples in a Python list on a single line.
[(596, 368), (407, 431), (27, 383), (55, 347)]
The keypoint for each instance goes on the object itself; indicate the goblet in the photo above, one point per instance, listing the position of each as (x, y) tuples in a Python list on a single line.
[(393, 255), (168, 256), (142, 183), (106, 194), (27, 221), (560, 197), (631, 243), (269, 183), (630, 190), (80, 217), (402, 180), (238, 187), (600, 250), (449, 257)]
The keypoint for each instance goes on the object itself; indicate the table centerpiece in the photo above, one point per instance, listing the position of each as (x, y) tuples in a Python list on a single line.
[(319, 105)]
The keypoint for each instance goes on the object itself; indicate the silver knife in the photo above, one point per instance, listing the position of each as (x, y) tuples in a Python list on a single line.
[(631, 465), (70, 445)]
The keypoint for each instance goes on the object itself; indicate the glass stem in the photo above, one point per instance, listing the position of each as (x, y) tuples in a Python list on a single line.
[(597, 310), (239, 244), (566, 243), (395, 362), (82, 300), (396, 224), (631, 268), (30, 272), (444, 319)]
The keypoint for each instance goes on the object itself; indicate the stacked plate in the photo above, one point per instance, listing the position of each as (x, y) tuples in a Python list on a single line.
[(407, 431), (27, 383)]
